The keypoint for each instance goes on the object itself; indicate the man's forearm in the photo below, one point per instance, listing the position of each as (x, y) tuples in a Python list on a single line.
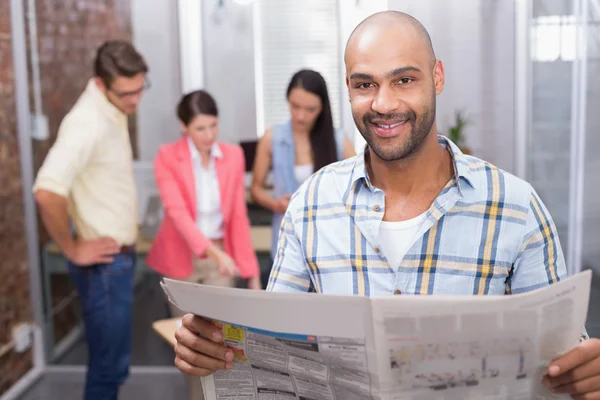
[(53, 210)]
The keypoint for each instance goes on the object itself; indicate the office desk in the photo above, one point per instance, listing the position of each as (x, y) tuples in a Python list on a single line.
[(142, 246), (166, 329), (54, 263), (261, 240)]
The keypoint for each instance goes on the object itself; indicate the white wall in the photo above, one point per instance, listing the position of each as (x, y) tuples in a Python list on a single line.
[(229, 62), (191, 51), (155, 35), (351, 13), (228, 42), (227, 51), (475, 41)]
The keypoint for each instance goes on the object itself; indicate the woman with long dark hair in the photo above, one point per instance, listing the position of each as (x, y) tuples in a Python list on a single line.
[(295, 149)]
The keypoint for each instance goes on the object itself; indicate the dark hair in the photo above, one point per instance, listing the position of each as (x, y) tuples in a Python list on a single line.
[(195, 103), (322, 137), (118, 58)]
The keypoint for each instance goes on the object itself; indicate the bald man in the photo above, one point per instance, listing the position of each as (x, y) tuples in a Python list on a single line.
[(412, 214)]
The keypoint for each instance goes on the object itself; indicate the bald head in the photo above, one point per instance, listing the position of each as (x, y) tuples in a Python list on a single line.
[(390, 24), (393, 78)]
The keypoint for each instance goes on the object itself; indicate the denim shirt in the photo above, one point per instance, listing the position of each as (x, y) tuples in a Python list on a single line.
[(283, 163)]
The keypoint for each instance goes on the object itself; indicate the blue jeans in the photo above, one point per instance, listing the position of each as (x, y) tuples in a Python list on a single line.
[(106, 292)]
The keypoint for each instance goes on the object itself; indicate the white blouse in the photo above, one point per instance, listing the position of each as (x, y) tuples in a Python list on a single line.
[(302, 172), (209, 217)]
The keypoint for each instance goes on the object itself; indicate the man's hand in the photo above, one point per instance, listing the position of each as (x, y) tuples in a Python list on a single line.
[(577, 373), (53, 210), (199, 349), (89, 252)]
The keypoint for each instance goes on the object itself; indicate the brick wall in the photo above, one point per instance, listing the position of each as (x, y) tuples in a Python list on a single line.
[(14, 277), (69, 32)]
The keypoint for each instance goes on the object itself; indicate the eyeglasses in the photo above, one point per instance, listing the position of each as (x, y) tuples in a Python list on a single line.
[(123, 95)]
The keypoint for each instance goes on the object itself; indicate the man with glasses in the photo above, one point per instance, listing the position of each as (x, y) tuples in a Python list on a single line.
[(88, 177)]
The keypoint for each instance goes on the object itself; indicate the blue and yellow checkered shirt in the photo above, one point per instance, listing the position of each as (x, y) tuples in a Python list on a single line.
[(487, 233)]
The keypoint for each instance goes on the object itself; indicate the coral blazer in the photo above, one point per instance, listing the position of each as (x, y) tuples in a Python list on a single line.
[(179, 240)]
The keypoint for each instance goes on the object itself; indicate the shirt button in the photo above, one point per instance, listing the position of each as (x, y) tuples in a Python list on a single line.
[(377, 250), (397, 291), (376, 207)]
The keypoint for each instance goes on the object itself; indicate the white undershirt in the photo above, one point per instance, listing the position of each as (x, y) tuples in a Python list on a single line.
[(209, 217), (396, 238), (302, 172)]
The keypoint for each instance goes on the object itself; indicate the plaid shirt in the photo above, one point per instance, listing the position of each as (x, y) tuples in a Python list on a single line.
[(487, 233)]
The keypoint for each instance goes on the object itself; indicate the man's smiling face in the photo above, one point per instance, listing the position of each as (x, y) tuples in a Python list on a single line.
[(393, 79)]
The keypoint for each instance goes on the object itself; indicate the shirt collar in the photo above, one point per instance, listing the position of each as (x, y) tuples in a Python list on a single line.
[(462, 166), (462, 170), (108, 108), (215, 150)]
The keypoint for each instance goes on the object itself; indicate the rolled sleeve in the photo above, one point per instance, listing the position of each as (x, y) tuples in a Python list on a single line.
[(289, 272), (70, 153), (541, 261)]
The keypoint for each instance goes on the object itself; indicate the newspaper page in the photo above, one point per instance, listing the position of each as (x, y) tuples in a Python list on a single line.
[(312, 347), (286, 346), (493, 347)]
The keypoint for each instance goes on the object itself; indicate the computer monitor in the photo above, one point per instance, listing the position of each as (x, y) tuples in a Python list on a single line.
[(249, 148)]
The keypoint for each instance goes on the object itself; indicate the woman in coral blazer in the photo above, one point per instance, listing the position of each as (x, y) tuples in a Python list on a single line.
[(205, 235)]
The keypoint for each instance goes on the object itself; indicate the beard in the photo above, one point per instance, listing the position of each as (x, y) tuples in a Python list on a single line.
[(394, 149)]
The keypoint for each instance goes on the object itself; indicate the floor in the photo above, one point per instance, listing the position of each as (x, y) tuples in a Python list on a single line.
[(150, 305), (165, 385)]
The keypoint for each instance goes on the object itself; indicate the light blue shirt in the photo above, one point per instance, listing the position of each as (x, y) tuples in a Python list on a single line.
[(486, 233), (283, 152)]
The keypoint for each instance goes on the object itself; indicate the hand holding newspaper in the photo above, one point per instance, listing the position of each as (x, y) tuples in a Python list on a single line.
[(313, 347)]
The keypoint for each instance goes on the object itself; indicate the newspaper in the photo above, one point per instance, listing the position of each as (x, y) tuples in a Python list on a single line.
[(313, 347)]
